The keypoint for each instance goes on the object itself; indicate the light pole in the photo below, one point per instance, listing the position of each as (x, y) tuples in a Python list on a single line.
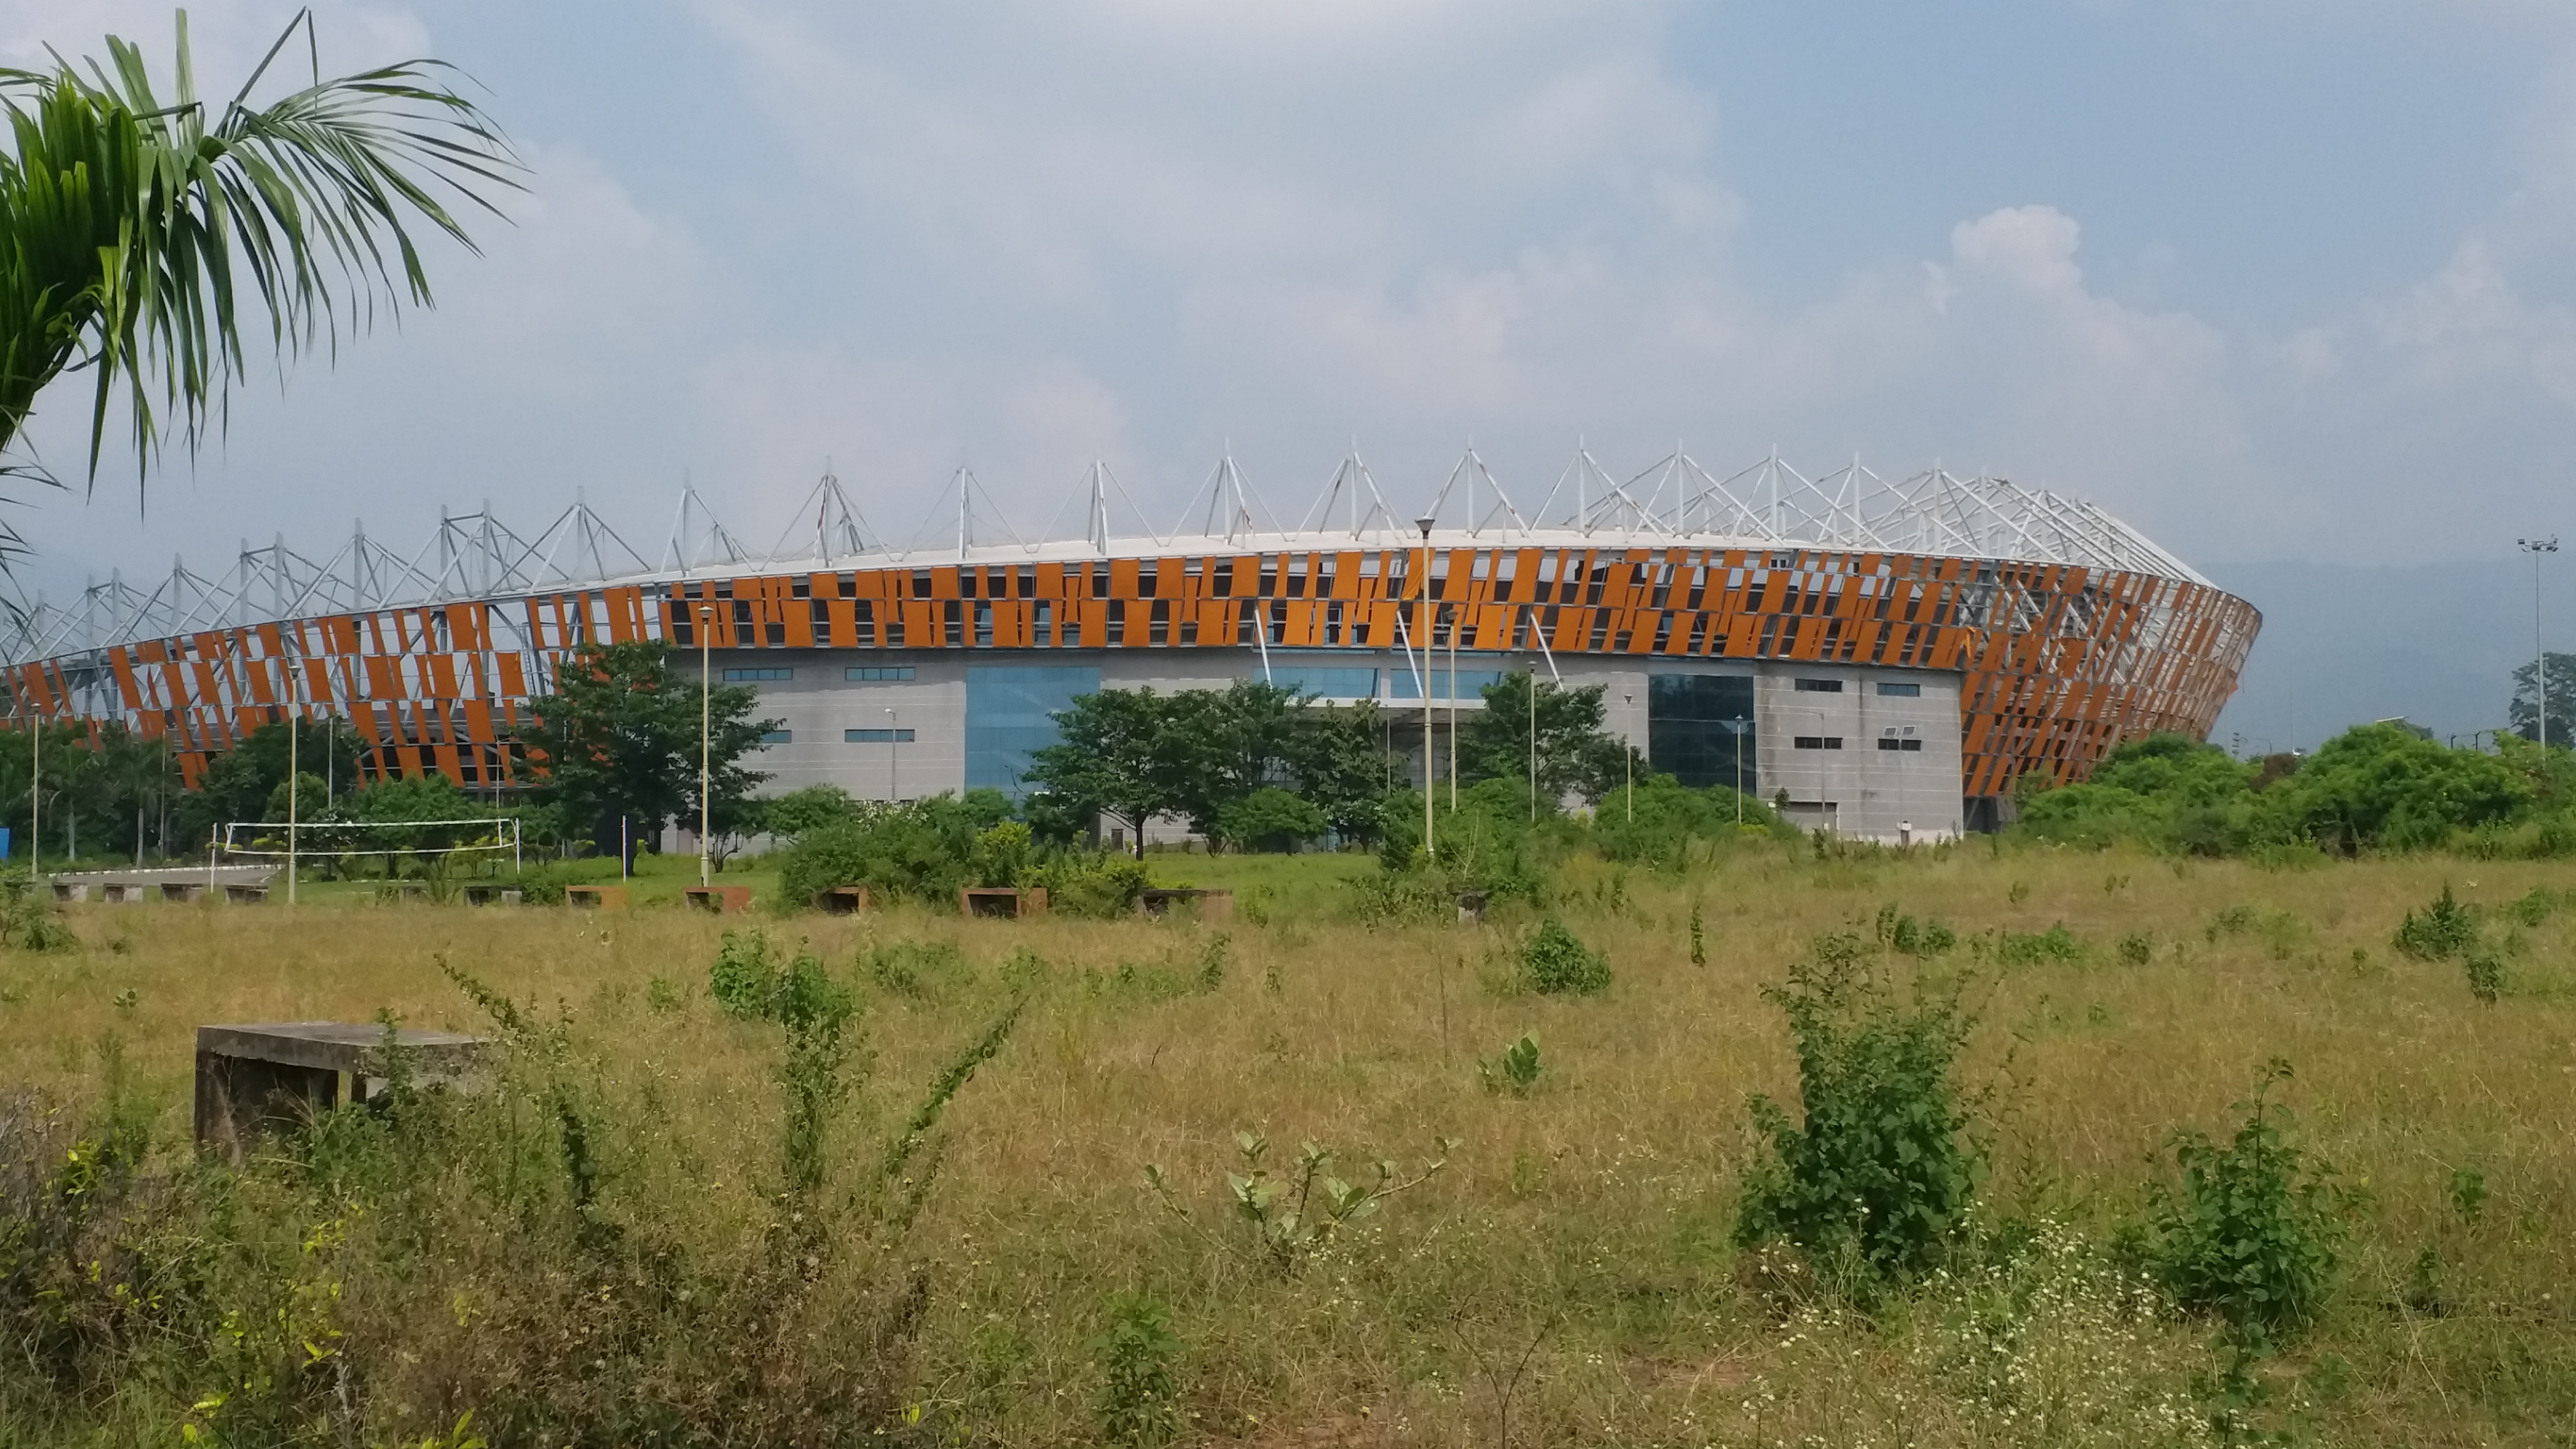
[(1422, 628), (1453, 716), (294, 738), (1533, 738), (2539, 652), (35, 795), (706, 750), (1630, 701)]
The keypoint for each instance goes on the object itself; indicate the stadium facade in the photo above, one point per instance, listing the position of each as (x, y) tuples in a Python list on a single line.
[(1886, 657)]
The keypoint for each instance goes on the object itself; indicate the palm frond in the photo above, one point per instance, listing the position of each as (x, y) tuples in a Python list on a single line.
[(134, 233)]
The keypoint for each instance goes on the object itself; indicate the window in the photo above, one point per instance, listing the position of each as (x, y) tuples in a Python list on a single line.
[(1817, 742), (757, 676), (1010, 715), (1891, 742), (877, 737), (877, 673), (1819, 686), (1900, 691), (777, 737)]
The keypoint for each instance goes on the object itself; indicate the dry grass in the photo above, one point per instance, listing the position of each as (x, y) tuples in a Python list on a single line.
[(1583, 1228)]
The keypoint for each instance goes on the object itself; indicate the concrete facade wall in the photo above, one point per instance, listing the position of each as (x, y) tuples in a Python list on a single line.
[(1855, 788)]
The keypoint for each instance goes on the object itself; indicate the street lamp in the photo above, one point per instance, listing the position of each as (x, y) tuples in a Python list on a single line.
[(1533, 739), (2539, 652), (1422, 628), (706, 717), (1630, 701)]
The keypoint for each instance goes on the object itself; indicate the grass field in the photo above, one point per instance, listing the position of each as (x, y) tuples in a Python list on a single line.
[(1568, 1276)]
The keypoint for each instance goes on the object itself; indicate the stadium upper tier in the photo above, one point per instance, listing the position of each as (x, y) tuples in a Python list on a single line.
[(2070, 629)]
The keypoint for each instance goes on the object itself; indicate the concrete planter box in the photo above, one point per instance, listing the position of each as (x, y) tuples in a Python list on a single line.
[(718, 900), (258, 1077), (1001, 903), (1211, 905), (842, 901), (592, 898)]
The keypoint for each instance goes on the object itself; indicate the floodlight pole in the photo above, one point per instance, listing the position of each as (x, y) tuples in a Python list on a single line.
[(1422, 628), (2539, 650), (1453, 716), (706, 718)]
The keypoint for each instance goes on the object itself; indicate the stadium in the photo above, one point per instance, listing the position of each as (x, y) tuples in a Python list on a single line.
[(1885, 659)]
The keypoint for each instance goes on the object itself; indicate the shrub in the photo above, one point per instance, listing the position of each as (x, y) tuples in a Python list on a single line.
[(1096, 885), (1878, 1171), (1271, 819), (2444, 929), (2249, 1233), (1554, 962), (1136, 1408), (1911, 936), (2486, 974), (2137, 948), (1514, 1069), (2023, 948)]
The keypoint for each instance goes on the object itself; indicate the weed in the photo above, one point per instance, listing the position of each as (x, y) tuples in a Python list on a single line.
[(1514, 1069), (1698, 937), (2024, 948), (2251, 1231), (2442, 930), (1136, 1407), (126, 1000), (2423, 1290), (1879, 1170), (1292, 1217), (2137, 948), (1554, 962), (741, 978), (2019, 893), (1025, 971), (2535, 907), (1212, 962), (2485, 971), (1914, 937), (916, 969), (2468, 1194), (663, 995)]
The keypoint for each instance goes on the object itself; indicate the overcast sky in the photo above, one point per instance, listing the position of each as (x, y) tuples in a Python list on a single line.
[(2271, 279)]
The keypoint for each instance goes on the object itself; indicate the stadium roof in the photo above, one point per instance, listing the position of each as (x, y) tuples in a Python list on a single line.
[(1673, 503)]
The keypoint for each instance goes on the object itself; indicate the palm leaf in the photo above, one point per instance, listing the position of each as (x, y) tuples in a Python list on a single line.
[(132, 233)]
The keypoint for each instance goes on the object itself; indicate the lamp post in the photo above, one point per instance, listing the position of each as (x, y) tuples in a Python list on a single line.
[(35, 795), (2539, 652), (1422, 627), (294, 736), (1630, 701), (706, 750), (1533, 739)]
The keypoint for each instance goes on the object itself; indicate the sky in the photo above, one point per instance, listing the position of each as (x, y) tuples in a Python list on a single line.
[(2286, 284)]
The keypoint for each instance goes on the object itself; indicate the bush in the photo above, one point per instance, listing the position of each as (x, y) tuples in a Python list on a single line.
[(2445, 929), (1515, 1069), (2249, 1233), (1555, 963), (1270, 819), (2023, 948), (1137, 1406), (1097, 885), (1877, 1173)]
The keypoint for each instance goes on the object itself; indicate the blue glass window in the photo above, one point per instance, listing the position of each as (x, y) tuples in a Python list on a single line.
[(1010, 715), (777, 737), (757, 676), (877, 673), (1471, 683), (877, 737)]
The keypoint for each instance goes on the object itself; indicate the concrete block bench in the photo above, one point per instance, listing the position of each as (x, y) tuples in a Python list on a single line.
[(851, 900), (1213, 905), (593, 897), (257, 1077), (718, 900), (1001, 903)]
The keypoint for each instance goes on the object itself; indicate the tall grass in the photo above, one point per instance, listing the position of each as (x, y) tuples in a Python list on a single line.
[(1568, 1277)]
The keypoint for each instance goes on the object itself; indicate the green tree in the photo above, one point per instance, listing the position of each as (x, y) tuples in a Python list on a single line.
[(2380, 786), (1109, 756), (237, 784), (136, 225), (1575, 754), (2525, 709), (618, 740)]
